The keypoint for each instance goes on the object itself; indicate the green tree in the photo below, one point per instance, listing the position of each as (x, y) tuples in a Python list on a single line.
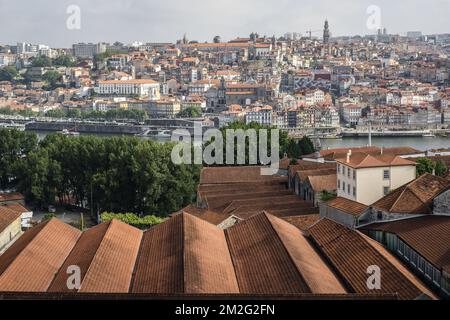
[(38, 178), (306, 146), (190, 112), (440, 168), (133, 219), (14, 145), (424, 165), (64, 61), (118, 174), (52, 78), (42, 61), (8, 73), (56, 113), (327, 195), (283, 139)]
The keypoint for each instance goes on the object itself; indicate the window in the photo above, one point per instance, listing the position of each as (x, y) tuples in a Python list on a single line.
[(339, 168), (380, 215), (343, 186), (343, 171), (339, 184), (386, 174), (354, 192), (386, 190), (348, 189), (349, 172), (354, 174)]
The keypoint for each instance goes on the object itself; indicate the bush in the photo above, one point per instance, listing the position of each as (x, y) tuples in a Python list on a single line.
[(133, 220)]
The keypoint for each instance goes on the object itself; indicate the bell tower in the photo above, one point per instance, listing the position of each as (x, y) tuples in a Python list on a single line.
[(326, 33)]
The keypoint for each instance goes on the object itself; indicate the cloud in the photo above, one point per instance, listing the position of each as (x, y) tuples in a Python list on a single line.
[(44, 21)]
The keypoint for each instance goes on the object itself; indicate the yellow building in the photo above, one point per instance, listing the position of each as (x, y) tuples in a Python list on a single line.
[(10, 226)]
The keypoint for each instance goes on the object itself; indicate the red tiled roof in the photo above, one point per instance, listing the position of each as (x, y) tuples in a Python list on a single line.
[(303, 222), (7, 216), (352, 253), (271, 256), (224, 175), (13, 196), (414, 197), (429, 236), (362, 160), (348, 206), (323, 183), (15, 207), (39, 259)]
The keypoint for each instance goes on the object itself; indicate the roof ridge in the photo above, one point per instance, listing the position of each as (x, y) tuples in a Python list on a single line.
[(99, 245), (41, 225), (398, 198), (183, 250), (233, 262), (373, 244), (291, 259)]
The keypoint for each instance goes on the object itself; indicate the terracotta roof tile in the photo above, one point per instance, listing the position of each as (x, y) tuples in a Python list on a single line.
[(222, 175), (159, 267), (303, 222), (362, 160), (81, 255), (429, 236), (348, 206), (321, 183), (210, 216), (7, 216), (208, 267), (13, 196), (35, 266), (267, 262), (112, 267), (414, 197), (351, 253), (185, 255), (16, 207)]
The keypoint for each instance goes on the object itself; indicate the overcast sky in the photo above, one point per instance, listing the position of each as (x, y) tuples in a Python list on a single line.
[(44, 21)]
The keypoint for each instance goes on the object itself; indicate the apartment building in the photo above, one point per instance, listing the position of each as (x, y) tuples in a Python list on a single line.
[(262, 116), (164, 108), (368, 178), (351, 113), (88, 50)]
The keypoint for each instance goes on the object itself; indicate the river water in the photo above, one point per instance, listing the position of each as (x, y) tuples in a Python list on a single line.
[(419, 143)]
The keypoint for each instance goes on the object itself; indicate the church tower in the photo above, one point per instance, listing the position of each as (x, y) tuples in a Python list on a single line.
[(326, 33)]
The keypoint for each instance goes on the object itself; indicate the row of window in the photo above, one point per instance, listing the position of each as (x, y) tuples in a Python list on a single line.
[(346, 188), (349, 171), (346, 171), (417, 261)]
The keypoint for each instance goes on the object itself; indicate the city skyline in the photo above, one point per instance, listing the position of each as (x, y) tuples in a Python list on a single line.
[(201, 21)]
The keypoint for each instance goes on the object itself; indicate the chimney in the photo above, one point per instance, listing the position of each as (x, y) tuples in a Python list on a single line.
[(349, 154), (381, 150)]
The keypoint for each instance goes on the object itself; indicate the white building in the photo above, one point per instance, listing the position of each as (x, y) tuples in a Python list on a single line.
[(136, 87), (314, 97), (366, 179), (88, 50), (7, 59), (351, 113), (262, 116)]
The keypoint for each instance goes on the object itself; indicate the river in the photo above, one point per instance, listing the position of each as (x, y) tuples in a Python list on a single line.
[(419, 143)]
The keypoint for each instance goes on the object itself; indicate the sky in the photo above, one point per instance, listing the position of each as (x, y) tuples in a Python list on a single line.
[(45, 21)]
